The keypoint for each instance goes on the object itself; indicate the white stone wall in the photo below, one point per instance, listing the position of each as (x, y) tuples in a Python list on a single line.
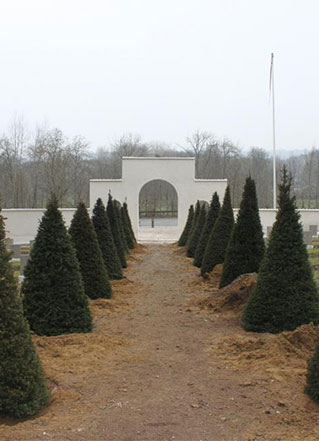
[(22, 223), (137, 172), (268, 217)]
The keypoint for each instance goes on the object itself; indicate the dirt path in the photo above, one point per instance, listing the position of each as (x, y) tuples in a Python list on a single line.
[(158, 380)]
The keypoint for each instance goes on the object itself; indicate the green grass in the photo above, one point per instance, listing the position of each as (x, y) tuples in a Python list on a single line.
[(306, 204), (314, 259), (313, 253), (16, 268)]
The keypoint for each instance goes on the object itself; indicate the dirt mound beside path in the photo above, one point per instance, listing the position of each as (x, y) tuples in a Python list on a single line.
[(209, 282), (287, 351), (231, 298)]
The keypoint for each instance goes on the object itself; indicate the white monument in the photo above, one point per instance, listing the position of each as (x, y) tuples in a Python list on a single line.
[(22, 223), (136, 172)]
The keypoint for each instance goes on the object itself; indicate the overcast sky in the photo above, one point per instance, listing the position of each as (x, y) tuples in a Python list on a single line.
[(163, 68)]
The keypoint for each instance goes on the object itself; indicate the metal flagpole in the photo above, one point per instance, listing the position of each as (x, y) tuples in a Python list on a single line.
[(272, 90)]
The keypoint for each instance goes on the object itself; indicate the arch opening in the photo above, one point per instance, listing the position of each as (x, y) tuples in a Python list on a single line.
[(158, 205)]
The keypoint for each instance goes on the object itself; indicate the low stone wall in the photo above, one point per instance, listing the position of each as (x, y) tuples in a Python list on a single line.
[(22, 223), (309, 219)]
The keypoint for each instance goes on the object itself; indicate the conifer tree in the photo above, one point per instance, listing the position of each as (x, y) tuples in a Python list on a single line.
[(188, 226), (127, 231), (117, 209), (194, 223), (23, 392), (285, 295), (219, 237), (246, 246), (115, 228), (54, 298), (209, 224), (197, 231), (104, 234), (129, 221), (312, 385), (94, 274)]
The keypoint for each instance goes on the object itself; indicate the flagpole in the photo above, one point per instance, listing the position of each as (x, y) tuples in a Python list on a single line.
[(272, 79)]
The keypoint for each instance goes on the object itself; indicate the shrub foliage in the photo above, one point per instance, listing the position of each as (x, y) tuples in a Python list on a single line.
[(54, 298), (209, 225), (104, 234), (285, 295), (197, 231), (128, 235), (219, 237), (116, 231), (23, 391), (188, 226), (246, 246), (94, 274), (128, 219), (117, 209), (194, 223), (312, 385)]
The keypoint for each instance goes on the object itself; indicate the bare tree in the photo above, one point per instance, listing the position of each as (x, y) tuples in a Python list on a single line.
[(12, 148), (197, 144), (32, 165), (79, 169), (55, 156), (130, 145), (259, 166), (228, 150), (308, 174)]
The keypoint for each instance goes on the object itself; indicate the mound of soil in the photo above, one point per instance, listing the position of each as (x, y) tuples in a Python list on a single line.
[(101, 306), (214, 276), (232, 297), (123, 290), (210, 281), (79, 352), (270, 352), (139, 249), (136, 254), (179, 251)]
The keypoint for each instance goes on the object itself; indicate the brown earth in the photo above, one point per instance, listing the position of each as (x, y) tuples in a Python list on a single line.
[(157, 367), (232, 297)]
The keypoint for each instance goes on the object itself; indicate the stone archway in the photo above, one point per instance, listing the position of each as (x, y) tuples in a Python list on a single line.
[(179, 172), (158, 204)]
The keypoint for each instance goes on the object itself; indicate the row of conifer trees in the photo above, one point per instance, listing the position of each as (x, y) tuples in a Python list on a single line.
[(64, 270), (212, 237), (285, 295)]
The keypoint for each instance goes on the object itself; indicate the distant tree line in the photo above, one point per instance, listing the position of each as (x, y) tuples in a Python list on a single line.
[(33, 166)]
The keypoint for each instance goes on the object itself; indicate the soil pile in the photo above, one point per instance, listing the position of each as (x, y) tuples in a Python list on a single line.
[(232, 297), (68, 359), (79, 352), (214, 277), (135, 255), (209, 282), (122, 291), (179, 251), (270, 352)]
